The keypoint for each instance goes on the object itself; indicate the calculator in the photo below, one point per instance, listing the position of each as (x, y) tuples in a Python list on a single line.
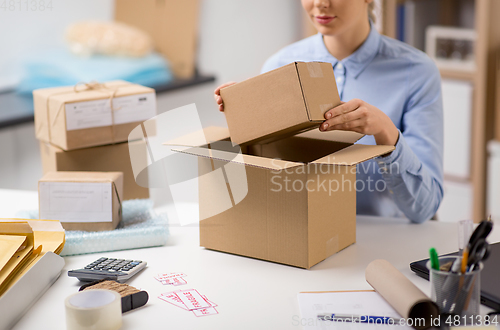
[(120, 270)]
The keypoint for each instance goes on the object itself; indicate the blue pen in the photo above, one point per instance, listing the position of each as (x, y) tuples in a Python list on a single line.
[(359, 318)]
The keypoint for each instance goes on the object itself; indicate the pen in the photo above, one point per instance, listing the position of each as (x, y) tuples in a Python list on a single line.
[(465, 257), (359, 318), (434, 259)]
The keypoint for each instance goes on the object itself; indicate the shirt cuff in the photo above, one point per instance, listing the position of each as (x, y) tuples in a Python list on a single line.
[(394, 155), (402, 159)]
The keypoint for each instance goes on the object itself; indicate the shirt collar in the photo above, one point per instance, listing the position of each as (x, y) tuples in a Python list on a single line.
[(357, 61)]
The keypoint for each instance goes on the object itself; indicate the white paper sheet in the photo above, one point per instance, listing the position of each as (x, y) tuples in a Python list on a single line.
[(356, 303), (128, 109), (76, 201)]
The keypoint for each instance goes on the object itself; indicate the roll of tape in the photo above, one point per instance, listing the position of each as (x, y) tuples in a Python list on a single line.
[(94, 309)]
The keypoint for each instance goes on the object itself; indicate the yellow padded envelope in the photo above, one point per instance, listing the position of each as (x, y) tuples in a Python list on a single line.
[(48, 233), (21, 257), (44, 235), (8, 246)]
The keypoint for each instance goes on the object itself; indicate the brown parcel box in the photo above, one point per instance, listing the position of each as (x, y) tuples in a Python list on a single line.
[(110, 158), (172, 24), (79, 189), (281, 102), (74, 117), (298, 227)]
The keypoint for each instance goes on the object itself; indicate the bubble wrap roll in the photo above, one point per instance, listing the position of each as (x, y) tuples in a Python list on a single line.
[(140, 227)]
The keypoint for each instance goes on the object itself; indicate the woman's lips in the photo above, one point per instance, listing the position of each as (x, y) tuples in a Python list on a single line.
[(324, 19)]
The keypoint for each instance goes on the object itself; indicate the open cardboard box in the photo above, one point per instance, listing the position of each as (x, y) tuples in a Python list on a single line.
[(295, 203)]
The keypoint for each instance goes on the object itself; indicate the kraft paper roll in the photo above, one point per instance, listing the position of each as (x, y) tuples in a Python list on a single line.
[(94, 309), (400, 293)]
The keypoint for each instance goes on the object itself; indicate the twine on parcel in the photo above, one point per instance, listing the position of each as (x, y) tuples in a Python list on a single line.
[(91, 86)]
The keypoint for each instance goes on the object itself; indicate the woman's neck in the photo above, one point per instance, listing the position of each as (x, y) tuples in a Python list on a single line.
[(344, 44)]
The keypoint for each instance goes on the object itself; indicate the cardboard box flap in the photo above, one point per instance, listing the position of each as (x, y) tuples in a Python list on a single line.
[(354, 154), (249, 160), (319, 88), (335, 136), (200, 138)]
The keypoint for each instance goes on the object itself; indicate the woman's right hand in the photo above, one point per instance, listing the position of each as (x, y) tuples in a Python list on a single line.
[(218, 98)]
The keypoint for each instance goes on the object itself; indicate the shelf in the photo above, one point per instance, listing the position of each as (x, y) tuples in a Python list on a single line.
[(481, 15), (457, 179), (18, 109), (454, 74)]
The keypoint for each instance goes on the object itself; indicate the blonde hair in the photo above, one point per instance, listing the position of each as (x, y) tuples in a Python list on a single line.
[(371, 11)]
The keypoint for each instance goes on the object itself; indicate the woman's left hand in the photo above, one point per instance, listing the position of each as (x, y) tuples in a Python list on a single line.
[(359, 116)]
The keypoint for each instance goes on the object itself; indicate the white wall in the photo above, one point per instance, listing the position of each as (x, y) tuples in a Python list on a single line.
[(24, 32), (236, 36)]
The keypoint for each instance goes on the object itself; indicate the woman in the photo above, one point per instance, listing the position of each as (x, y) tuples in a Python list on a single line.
[(392, 93)]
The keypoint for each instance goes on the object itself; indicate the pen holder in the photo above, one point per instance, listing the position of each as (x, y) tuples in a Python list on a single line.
[(455, 293)]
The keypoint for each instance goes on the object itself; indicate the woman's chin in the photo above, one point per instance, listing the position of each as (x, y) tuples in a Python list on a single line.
[(327, 30)]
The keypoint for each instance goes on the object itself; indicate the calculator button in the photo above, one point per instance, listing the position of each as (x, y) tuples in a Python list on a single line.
[(138, 261), (102, 259), (116, 268), (88, 267), (135, 263)]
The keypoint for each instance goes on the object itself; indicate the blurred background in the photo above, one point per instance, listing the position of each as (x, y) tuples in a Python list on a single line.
[(189, 47)]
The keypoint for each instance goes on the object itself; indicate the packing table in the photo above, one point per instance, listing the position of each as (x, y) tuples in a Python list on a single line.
[(250, 293)]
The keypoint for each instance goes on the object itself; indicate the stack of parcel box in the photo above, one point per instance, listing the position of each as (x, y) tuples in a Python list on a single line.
[(87, 127)]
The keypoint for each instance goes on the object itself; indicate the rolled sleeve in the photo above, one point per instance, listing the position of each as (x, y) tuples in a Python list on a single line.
[(397, 159), (414, 171)]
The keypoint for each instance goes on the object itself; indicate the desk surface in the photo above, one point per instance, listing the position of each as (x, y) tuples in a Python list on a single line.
[(251, 294)]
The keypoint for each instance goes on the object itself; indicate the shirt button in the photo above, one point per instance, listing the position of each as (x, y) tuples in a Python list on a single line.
[(340, 66), (339, 79)]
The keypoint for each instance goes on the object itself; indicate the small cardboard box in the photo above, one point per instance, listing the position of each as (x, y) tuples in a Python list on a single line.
[(172, 24), (89, 201), (110, 158), (281, 102), (75, 117), (297, 204)]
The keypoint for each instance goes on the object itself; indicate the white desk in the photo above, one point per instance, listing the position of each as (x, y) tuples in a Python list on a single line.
[(251, 294)]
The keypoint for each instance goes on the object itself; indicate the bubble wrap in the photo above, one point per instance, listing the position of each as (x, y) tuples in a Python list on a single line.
[(140, 227)]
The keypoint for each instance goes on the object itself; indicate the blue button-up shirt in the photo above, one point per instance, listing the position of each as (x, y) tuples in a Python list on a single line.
[(404, 83)]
